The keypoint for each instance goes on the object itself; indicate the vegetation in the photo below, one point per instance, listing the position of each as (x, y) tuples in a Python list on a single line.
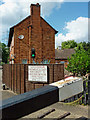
[(83, 46), (4, 53), (69, 44), (80, 61)]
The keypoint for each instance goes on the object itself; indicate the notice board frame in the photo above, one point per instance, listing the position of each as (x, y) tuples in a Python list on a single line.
[(40, 82)]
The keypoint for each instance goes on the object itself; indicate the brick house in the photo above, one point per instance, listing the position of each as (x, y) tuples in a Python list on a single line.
[(62, 55), (37, 34)]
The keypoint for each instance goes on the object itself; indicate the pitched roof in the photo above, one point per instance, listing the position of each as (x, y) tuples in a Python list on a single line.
[(12, 29), (10, 35), (63, 54), (50, 26)]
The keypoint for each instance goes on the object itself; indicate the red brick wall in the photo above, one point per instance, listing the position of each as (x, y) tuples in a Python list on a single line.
[(37, 34), (48, 42), (22, 46)]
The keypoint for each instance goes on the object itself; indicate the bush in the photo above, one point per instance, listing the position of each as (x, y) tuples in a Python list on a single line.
[(79, 62)]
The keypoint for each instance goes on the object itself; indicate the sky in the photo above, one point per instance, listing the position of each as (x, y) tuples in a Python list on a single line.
[(69, 18)]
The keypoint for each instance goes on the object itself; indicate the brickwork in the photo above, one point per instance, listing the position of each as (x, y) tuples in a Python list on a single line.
[(15, 76), (38, 34), (48, 44), (21, 46)]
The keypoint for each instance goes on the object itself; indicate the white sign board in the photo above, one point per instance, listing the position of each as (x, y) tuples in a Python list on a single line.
[(37, 73)]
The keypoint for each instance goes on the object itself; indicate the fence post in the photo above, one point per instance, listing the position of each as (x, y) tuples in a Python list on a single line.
[(84, 87), (89, 90)]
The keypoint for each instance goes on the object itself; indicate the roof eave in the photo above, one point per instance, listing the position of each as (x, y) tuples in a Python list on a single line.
[(60, 58), (50, 26), (56, 32), (10, 36)]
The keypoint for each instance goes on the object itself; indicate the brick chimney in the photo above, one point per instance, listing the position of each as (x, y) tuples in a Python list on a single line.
[(36, 31), (35, 9)]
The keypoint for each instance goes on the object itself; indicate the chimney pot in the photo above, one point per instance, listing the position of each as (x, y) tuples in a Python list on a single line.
[(37, 4), (35, 9)]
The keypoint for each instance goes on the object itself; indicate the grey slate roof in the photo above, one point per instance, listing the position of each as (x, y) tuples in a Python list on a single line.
[(63, 54)]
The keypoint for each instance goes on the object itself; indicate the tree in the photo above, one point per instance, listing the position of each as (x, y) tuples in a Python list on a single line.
[(83, 45), (69, 44), (79, 62), (4, 50), (0, 51)]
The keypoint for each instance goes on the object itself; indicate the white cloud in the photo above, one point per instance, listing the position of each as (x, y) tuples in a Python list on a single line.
[(77, 30), (48, 7), (13, 11), (76, 0)]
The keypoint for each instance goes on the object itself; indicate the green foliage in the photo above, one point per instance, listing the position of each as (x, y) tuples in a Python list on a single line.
[(83, 46), (4, 51), (69, 44), (79, 62), (2, 63)]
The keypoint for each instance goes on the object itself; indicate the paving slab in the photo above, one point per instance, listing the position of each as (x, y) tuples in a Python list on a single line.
[(58, 113), (7, 94), (60, 108), (75, 109)]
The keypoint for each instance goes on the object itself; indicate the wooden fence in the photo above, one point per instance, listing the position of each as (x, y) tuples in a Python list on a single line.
[(15, 76)]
